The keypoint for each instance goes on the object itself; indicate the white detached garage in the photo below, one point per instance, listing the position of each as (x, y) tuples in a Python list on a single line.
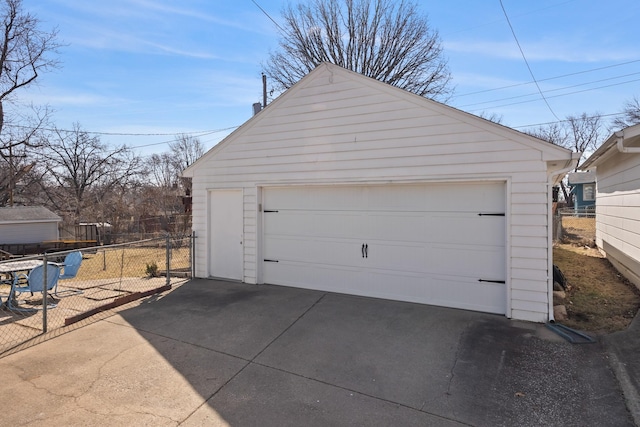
[(346, 184)]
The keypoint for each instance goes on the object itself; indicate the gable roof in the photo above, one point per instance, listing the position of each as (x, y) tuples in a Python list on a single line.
[(326, 72), (628, 137), (25, 214)]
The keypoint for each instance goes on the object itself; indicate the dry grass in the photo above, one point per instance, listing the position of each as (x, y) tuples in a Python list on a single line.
[(599, 299), (129, 262)]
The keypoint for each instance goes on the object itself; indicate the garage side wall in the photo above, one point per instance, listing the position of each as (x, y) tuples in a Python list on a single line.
[(25, 233), (618, 213), (335, 130)]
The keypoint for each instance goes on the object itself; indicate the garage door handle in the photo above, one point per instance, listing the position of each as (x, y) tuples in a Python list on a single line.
[(366, 250), (362, 250)]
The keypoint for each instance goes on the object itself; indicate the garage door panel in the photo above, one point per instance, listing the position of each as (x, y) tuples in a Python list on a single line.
[(304, 275), (341, 252), (393, 226), (395, 256), (469, 229), (314, 224), (469, 295), (451, 227), (439, 290), (480, 262), (477, 262), (438, 197), (316, 198)]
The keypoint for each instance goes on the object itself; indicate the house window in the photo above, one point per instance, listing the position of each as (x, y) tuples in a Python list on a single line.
[(589, 192)]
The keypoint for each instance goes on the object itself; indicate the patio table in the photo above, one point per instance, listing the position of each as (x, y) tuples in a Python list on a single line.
[(13, 267), (18, 266)]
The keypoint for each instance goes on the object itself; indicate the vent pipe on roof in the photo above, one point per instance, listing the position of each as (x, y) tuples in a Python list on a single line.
[(264, 91), (257, 107)]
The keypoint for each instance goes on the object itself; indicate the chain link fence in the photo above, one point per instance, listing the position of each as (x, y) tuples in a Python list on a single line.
[(575, 229), (108, 277)]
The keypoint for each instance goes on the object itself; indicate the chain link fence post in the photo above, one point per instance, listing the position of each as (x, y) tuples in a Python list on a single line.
[(168, 260), (192, 249), (45, 294)]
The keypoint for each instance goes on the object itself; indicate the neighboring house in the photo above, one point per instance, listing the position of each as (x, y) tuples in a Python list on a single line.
[(346, 184), (583, 188), (27, 225), (617, 165)]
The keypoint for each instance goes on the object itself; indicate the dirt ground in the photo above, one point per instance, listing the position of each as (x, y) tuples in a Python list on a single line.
[(598, 298)]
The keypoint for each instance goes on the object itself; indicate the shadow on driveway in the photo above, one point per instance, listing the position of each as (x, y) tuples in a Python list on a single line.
[(221, 353)]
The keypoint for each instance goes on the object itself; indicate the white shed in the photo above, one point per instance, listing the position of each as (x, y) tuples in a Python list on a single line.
[(28, 224), (346, 184), (617, 166)]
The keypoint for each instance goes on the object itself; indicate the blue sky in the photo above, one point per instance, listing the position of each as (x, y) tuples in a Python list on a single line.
[(154, 68)]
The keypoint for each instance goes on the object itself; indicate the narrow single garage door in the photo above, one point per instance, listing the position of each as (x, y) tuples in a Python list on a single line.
[(441, 244)]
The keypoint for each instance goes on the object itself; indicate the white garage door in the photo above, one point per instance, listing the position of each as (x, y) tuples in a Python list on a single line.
[(441, 244)]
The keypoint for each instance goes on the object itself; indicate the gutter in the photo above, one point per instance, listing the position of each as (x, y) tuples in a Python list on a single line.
[(620, 144), (571, 164)]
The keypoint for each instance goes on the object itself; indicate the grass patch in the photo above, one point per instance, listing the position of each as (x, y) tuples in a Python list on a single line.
[(599, 299), (129, 262)]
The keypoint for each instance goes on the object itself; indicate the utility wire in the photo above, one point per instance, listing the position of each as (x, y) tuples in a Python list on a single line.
[(527, 62), (194, 133), (548, 78), (566, 120), (268, 16), (564, 94), (557, 89)]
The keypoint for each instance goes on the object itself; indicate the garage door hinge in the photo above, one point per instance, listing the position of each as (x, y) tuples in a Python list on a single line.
[(271, 260), (491, 214), (492, 281), (268, 211)]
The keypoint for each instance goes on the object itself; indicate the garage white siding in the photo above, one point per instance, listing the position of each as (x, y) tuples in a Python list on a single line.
[(337, 127), (28, 233), (28, 224)]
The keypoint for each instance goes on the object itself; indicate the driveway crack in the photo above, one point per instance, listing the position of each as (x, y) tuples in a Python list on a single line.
[(452, 372), (290, 326)]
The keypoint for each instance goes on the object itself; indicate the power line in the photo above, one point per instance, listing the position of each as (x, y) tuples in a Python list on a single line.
[(196, 133), (268, 16), (565, 94), (527, 62), (549, 78), (567, 120), (555, 90)]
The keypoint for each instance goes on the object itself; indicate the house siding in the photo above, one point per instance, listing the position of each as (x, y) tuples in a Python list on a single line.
[(618, 213), (336, 130)]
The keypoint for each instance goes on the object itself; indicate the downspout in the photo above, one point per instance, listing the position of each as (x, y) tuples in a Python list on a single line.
[(575, 158), (620, 146)]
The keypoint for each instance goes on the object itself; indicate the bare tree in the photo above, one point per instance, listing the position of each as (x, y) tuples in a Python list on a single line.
[(24, 50), (387, 40), (581, 134), (631, 115), (78, 170), (185, 150), (492, 117), (16, 157), (585, 133), (162, 169), (24, 53)]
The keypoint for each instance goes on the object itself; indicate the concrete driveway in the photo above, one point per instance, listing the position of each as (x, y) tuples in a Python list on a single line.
[(220, 353)]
